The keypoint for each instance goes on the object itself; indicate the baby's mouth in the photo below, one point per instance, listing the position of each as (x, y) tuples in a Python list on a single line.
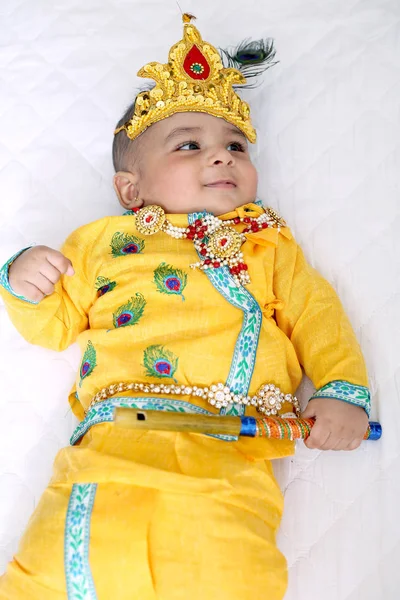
[(223, 183)]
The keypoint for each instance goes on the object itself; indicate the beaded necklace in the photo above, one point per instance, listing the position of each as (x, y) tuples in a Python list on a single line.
[(216, 242)]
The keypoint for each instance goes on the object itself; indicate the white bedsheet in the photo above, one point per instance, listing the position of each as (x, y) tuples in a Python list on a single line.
[(328, 153)]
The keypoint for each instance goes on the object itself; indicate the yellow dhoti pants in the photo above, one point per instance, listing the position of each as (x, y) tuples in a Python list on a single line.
[(153, 516)]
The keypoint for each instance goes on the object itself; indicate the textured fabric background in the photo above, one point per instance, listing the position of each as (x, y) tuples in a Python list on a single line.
[(328, 153)]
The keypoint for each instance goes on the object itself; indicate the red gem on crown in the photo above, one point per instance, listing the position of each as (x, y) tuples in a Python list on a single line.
[(193, 62)]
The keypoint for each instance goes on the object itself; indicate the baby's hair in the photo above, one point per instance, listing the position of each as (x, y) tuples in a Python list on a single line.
[(125, 151)]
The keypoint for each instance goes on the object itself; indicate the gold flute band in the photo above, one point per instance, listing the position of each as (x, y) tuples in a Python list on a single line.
[(268, 400)]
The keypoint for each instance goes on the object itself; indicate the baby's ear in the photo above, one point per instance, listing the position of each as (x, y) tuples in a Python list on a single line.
[(126, 188)]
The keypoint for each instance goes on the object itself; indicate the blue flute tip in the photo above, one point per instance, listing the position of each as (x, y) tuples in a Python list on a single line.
[(248, 427), (375, 430)]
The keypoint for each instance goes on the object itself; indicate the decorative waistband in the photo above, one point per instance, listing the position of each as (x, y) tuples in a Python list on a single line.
[(268, 399)]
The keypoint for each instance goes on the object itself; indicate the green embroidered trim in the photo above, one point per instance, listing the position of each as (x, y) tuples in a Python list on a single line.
[(245, 351), (80, 584), (346, 391)]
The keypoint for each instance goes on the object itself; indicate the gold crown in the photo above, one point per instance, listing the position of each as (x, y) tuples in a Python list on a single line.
[(193, 80)]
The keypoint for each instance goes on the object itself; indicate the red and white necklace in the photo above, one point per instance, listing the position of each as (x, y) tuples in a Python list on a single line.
[(217, 243)]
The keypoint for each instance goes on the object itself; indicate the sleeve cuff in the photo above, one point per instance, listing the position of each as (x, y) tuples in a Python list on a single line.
[(4, 281), (347, 392)]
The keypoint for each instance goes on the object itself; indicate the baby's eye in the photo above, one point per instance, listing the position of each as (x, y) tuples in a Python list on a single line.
[(238, 146), (183, 146)]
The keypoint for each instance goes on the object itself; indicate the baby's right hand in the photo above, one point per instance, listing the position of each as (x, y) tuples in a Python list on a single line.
[(35, 272)]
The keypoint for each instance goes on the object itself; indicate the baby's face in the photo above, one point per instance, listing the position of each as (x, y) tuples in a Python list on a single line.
[(193, 161)]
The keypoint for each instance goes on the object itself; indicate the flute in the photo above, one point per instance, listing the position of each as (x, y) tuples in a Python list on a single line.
[(278, 428)]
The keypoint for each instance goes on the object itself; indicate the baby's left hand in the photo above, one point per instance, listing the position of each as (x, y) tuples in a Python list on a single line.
[(338, 425)]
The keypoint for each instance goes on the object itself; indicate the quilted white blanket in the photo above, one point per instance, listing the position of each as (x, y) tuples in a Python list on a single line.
[(328, 120)]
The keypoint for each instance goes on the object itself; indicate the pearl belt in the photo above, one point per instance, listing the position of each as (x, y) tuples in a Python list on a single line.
[(268, 400)]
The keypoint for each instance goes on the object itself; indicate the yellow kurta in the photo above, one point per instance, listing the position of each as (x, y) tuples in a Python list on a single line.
[(205, 511)]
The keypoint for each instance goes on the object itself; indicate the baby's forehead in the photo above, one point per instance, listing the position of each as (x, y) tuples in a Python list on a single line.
[(186, 122)]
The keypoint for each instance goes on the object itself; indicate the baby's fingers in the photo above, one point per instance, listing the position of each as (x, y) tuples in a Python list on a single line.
[(43, 284), (318, 437), (50, 271), (60, 262), (31, 292), (353, 445)]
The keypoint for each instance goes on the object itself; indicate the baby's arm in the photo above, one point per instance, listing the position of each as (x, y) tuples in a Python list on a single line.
[(47, 295), (325, 343)]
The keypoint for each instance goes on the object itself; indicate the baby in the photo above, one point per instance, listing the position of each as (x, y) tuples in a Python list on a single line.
[(150, 514)]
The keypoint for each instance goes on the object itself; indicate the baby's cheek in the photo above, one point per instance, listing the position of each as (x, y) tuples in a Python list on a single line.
[(172, 176), (250, 178)]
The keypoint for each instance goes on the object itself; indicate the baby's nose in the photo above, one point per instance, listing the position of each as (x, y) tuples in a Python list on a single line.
[(222, 156)]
